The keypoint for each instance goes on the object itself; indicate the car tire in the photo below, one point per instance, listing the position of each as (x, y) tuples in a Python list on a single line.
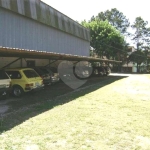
[(17, 91)]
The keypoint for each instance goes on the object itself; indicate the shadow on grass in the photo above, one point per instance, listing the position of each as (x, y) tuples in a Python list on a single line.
[(17, 117)]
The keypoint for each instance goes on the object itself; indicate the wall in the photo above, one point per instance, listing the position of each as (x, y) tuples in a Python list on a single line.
[(6, 60), (18, 31)]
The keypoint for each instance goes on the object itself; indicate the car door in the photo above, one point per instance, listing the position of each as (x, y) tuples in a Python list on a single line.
[(4, 81)]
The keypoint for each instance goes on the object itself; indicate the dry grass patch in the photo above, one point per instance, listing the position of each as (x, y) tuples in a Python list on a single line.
[(116, 116)]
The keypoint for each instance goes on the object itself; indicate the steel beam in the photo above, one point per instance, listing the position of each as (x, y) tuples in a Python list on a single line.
[(11, 63)]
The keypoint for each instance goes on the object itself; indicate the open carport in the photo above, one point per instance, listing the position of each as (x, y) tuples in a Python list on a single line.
[(20, 54)]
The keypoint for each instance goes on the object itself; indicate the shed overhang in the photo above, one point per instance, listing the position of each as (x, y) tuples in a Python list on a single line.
[(25, 53)]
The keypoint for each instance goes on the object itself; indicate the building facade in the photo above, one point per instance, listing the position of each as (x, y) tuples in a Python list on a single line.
[(32, 24), (129, 66)]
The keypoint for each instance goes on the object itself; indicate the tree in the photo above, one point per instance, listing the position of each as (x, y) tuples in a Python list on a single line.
[(141, 35), (138, 57), (105, 39), (116, 19), (92, 18)]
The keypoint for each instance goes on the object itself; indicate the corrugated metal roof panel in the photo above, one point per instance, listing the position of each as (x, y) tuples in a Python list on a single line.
[(24, 33), (21, 9), (5, 4), (43, 13)]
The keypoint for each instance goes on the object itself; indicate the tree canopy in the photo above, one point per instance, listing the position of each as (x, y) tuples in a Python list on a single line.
[(108, 32), (116, 19), (141, 36), (105, 39)]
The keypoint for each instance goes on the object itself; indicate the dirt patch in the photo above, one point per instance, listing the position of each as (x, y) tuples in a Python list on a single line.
[(3, 109)]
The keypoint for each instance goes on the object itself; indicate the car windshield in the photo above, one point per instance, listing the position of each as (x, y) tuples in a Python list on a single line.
[(3, 75), (30, 73)]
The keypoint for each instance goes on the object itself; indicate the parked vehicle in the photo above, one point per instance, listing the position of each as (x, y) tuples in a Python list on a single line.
[(107, 70), (82, 72), (65, 73), (24, 80), (44, 75), (101, 70), (54, 76), (4, 84)]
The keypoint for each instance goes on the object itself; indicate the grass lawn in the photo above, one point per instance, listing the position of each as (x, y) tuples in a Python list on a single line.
[(113, 116)]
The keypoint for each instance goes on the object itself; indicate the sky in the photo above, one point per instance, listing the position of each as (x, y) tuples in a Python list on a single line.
[(80, 10)]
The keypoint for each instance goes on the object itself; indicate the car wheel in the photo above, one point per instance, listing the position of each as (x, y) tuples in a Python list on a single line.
[(17, 91)]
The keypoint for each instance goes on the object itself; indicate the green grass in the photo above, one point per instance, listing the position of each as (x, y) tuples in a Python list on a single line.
[(112, 117)]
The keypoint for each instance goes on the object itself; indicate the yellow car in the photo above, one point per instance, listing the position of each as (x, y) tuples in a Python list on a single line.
[(24, 80)]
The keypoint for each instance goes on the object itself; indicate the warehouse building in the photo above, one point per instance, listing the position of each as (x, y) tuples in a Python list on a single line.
[(32, 24), (33, 33)]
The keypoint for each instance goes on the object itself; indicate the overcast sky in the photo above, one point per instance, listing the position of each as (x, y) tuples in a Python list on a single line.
[(84, 9)]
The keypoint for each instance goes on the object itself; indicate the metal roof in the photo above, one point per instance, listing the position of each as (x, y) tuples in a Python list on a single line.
[(43, 13), (26, 53)]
